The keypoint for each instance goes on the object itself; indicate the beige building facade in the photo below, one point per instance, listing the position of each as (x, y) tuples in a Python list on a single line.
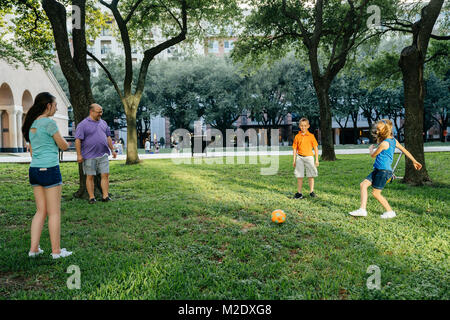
[(18, 88)]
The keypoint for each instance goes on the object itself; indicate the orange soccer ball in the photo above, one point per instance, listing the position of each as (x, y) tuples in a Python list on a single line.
[(278, 216)]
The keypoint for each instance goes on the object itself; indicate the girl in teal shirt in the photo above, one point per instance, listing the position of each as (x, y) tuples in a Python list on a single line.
[(44, 174)]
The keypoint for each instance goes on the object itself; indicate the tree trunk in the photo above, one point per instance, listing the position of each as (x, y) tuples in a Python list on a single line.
[(369, 122), (326, 131), (132, 151), (411, 64), (355, 127)]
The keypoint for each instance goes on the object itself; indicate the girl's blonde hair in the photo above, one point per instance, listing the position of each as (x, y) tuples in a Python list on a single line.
[(382, 130)]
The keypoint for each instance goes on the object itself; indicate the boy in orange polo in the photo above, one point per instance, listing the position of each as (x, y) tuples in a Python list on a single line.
[(304, 143)]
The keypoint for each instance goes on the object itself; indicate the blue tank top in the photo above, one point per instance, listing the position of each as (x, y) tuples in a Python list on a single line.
[(384, 158)]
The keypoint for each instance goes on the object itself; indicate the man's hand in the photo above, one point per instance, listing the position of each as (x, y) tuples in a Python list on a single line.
[(114, 154), (417, 165), (317, 163), (79, 158), (293, 164)]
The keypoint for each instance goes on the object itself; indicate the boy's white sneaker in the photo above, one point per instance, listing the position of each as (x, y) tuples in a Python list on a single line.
[(388, 215), (359, 213), (35, 254), (64, 253)]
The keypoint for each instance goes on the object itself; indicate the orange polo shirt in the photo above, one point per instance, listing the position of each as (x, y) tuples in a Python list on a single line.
[(304, 144)]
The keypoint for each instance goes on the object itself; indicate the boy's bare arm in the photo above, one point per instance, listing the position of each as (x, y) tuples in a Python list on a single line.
[(316, 153), (295, 157)]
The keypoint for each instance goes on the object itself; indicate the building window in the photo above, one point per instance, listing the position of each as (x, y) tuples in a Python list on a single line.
[(213, 46), (172, 50), (105, 47), (106, 31), (91, 66), (228, 45)]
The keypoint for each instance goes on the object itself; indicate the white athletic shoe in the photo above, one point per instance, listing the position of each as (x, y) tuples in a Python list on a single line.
[(388, 215), (64, 253), (35, 254), (359, 213)]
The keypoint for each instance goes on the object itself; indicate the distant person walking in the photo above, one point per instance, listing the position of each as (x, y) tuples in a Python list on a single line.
[(93, 144), (44, 175), (147, 146)]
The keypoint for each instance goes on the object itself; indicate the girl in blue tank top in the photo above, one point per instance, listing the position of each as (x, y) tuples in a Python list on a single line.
[(382, 169)]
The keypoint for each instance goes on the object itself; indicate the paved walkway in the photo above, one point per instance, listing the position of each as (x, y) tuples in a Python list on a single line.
[(71, 156)]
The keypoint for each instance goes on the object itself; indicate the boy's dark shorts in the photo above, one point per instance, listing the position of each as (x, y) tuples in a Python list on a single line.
[(379, 178), (45, 177)]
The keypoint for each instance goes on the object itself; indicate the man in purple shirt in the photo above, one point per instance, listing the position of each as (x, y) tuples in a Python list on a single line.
[(93, 142)]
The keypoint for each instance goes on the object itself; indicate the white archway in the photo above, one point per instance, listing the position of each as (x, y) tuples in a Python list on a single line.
[(6, 95), (27, 101), (6, 101)]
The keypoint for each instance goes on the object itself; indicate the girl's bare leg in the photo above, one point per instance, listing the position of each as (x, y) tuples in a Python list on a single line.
[(364, 186), (39, 218), (377, 194), (53, 198)]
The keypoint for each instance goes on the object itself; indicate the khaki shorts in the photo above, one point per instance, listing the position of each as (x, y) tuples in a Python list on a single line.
[(92, 167), (303, 163)]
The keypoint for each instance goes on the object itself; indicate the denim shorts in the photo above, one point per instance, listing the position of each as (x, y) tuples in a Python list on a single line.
[(45, 177), (379, 177)]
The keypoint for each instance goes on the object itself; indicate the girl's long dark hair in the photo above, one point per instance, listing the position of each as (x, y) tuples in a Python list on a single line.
[(39, 106)]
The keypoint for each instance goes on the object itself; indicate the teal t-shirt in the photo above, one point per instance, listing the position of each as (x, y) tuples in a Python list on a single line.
[(43, 147)]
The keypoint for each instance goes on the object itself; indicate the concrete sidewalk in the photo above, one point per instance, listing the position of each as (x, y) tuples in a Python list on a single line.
[(72, 157)]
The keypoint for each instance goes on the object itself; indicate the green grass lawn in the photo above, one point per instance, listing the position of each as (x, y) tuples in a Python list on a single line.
[(204, 232)]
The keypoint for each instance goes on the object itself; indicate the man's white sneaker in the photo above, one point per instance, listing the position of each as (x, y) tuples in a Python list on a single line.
[(35, 254), (358, 213), (388, 215), (64, 253)]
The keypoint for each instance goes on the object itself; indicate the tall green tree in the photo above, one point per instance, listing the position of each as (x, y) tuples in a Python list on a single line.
[(176, 91), (323, 32), (270, 92), (279, 89), (222, 92), (18, 21), (411, 63), (345, 96)]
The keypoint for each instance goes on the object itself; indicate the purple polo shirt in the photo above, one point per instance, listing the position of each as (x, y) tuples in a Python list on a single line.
[(93, 135)]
